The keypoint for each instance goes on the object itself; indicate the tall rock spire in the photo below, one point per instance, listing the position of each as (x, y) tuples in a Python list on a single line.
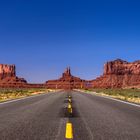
[(67, 72)]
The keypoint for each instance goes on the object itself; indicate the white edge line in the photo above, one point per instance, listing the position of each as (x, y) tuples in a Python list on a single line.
[(96, 94)]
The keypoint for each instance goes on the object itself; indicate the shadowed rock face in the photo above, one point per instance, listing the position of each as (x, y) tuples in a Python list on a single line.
[(119, 74)]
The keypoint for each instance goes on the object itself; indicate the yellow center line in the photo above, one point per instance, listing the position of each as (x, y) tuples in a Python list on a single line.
[(69, 131), (70, 100), (70, 108), (69, 127), (69, 105)]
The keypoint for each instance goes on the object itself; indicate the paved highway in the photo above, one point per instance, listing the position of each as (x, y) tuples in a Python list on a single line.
[(45, 117)]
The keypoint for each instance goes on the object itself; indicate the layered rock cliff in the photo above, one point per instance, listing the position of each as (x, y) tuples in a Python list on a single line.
[(67, 81), (8, 75), (119, 74), (120, 67), (7, 71)]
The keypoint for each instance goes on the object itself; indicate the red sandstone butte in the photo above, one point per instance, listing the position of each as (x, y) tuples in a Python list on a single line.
[(7, 71), (67, 81), (119, 74), (8, 76)]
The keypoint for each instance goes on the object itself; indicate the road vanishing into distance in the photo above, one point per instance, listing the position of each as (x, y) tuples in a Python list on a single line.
[(69, 115)]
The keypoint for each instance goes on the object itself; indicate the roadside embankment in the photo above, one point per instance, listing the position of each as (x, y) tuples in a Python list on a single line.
[(12, 93), (130, 95)]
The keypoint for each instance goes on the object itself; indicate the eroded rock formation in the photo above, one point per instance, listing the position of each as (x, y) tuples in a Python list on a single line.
[(67, 81), (8, 76), (7, 71), (119, 74)]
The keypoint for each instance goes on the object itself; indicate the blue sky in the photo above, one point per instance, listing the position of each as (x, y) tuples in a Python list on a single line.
[(43, 37)]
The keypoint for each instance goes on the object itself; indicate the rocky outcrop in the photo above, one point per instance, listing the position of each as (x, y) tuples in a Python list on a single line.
[(8, 76), (67, 81), (120, 67), (7, 71), (119, 74)]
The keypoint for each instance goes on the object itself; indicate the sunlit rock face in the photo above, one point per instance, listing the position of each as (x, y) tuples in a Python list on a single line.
[(7, 71), (120, 67), (67, 81), (119, 74), (8, 76)]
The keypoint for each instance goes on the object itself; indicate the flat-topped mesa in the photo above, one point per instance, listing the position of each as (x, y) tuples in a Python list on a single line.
[(120, 67), (7, 71), (118, 74)]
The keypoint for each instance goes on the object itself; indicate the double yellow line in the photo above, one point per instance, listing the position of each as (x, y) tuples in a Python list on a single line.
[(69, 127)]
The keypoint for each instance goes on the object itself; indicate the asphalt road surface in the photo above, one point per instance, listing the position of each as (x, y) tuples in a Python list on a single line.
[(44, 117)]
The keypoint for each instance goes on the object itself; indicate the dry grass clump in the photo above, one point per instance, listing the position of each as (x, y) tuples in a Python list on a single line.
[(8, 94), (131, 95)]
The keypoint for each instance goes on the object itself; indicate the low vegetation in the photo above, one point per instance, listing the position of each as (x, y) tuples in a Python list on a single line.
[(8, 94), (131, 95)]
